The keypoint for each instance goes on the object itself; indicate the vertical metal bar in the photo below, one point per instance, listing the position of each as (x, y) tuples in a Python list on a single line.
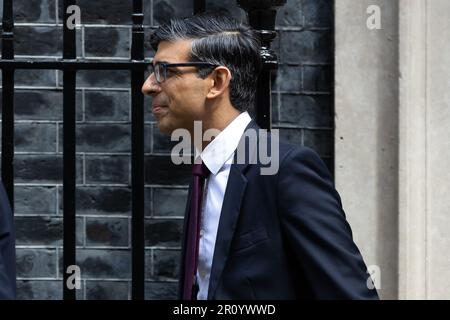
[(261, 16), (199, 6), (264, 99), (137, 156), (69, 187), (8, 103)]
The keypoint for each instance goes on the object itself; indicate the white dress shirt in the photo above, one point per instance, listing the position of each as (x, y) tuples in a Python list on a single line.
[(218, 157)]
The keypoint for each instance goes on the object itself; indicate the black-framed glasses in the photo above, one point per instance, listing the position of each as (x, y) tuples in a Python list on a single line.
[(160, 68)]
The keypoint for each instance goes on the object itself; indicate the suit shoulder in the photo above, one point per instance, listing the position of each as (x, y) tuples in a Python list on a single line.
[(289, 151), (295, 157)]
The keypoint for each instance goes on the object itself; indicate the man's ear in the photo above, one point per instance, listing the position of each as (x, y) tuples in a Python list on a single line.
[(220, 81)]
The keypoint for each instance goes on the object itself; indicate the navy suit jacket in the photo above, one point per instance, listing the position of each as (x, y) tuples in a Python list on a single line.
[(7, 249), (284, 236)]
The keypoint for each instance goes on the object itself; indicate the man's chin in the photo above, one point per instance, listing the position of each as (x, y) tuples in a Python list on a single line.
[(164, 128)]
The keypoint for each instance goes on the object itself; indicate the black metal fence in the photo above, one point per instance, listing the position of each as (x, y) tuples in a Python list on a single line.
[(261, 16)]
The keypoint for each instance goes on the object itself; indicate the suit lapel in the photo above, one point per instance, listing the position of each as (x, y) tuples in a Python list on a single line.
[(229, 214), (227, 224)]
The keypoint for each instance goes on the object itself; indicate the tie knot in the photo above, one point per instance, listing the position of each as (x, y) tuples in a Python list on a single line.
[(200, 170)]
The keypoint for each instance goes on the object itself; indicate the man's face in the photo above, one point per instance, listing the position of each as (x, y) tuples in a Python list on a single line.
[(180, 99)]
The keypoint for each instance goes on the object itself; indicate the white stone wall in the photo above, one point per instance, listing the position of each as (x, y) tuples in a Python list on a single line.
[(438, 137), (366, 138), (392, 143)]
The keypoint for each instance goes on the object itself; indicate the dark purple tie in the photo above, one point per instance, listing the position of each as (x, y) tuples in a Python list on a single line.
[(200, 172)]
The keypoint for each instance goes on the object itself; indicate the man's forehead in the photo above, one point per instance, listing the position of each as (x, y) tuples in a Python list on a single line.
[(173, 51)]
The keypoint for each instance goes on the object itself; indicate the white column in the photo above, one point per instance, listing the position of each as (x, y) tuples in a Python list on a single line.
[(366, 139), (438, 126), (424, 149), (413, 150), (393, 140)]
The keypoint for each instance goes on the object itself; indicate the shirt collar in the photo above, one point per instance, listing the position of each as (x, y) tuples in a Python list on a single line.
[(222, 147)]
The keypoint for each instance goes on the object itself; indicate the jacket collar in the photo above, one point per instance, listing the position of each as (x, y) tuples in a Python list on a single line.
[(232, 201)]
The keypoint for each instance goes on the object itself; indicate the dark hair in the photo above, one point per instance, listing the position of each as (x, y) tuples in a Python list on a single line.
[(219, 40)]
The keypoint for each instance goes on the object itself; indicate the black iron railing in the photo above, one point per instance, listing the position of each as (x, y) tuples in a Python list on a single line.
[(261, 17)]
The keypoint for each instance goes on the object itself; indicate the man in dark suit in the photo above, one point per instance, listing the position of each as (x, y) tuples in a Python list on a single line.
[(7, 249), (247, 234)]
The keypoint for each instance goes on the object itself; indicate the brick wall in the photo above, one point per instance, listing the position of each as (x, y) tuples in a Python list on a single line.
[(302, 109)]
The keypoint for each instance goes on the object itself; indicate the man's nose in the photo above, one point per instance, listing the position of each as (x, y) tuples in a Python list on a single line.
[(151, 86)]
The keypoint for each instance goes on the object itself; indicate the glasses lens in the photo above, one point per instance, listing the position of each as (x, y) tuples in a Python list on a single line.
[(156, 72), (159, 71)]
